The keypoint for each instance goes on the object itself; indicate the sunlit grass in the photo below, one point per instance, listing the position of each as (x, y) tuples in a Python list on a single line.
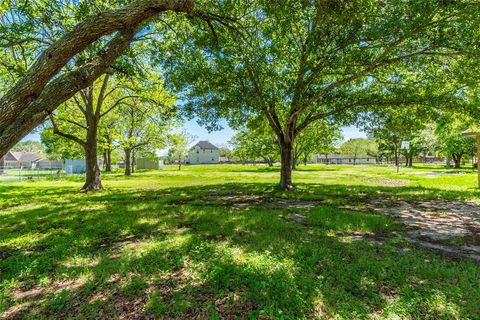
[(160, 244)]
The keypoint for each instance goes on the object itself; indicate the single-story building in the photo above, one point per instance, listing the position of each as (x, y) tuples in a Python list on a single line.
[(202, 153), (73, 166), (25, 160), (147, 163), (336, 158)]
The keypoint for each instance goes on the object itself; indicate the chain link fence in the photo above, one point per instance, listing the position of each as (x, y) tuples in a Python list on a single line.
[(21, 173)]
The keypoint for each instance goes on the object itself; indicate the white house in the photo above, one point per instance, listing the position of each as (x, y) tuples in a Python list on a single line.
[(345, 159), (20, 159), (203, 152)]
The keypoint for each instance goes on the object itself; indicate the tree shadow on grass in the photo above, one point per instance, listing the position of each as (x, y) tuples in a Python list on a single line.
[(170, 253)]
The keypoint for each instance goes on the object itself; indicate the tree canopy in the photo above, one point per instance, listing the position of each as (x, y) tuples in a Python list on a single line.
[(297, 62)]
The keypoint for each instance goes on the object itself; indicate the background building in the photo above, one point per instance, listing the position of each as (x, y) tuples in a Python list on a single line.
[(25, 160), (202, 153), (345, 159)]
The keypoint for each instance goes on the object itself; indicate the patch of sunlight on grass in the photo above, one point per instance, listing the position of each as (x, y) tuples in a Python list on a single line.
[(79, 261), (347, 221), (218, 241)]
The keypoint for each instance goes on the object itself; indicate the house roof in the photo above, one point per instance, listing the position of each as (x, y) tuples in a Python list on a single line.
[(22, 156), (205, 145)]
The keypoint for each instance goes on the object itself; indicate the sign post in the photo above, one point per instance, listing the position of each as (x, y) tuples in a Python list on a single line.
[(477, 135)]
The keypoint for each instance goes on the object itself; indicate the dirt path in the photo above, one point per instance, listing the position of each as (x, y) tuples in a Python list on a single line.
[(449, 227)]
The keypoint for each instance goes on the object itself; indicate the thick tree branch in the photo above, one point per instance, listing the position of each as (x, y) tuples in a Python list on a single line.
[(61, 89), (118, 102), (73, 122), (79, 105), (266, 108), (101, 97), (68, 136), (32, 85)]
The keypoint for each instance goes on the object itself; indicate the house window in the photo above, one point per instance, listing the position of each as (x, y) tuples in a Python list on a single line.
[(213, 159), (198, 151), (349, 160), (211, 150)]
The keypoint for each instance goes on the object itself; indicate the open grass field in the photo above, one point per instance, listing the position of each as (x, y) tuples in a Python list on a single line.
[(220, 242)]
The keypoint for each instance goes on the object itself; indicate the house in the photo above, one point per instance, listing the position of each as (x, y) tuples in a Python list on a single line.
[(345, 159), (202, 153), (20, 159), (48, 164)]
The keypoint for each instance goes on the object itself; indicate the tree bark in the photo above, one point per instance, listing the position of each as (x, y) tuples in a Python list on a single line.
[(35, 95), (286, 166), (108, 165), (2, 164), (108, 154), (457, 158), (93, 181), (59, 90), (133, 161), (128, 166)]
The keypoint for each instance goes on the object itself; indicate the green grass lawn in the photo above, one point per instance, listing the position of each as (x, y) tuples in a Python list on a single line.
[(217, 242)]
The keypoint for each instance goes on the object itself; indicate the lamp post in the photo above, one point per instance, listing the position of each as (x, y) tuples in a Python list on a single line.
[(477, 135)]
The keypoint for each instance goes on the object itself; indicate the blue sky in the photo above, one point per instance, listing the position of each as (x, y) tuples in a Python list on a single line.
[(222, 137)]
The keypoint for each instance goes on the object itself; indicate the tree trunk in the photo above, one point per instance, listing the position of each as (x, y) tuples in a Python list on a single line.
[(457, 158), (93, 181), (128, 166), (286, 166), (36, 95), (104, 159), (2, 164), (133, 161), (179, 163), (108, 164), (295, 157)]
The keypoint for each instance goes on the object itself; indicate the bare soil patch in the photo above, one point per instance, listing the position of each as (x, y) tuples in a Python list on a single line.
[(247, 201), (449, 227), (389, 182)]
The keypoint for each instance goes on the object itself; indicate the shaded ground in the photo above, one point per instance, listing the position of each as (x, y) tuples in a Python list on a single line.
[(448, 227), (242, 201), (220, 242)]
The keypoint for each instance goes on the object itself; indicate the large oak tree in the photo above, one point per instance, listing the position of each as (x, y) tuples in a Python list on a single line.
[(50, 80), (297, 62)]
